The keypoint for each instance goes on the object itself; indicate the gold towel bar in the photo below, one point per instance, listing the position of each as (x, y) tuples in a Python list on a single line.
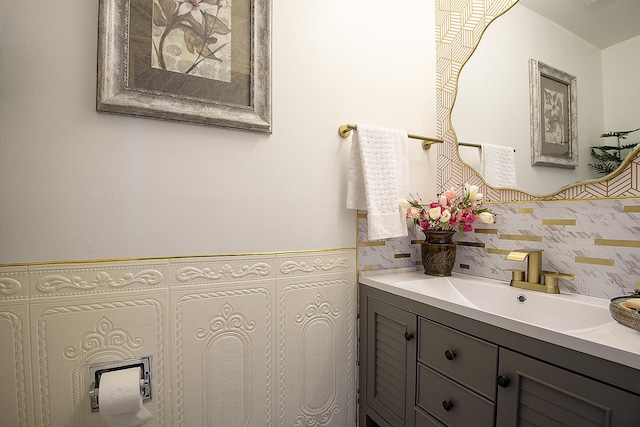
[(469, 144), (345, 131)]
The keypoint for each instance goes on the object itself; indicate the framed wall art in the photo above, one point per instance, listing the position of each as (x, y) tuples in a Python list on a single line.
[(198, 61), (554, 116)]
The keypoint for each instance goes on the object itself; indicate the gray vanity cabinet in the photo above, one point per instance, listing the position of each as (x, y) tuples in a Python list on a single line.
[(540, 394), (456, 376), (391, 349), (421, 366)]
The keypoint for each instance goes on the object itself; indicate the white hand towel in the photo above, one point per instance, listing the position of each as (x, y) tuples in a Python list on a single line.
[(378, 177), (498, 165)]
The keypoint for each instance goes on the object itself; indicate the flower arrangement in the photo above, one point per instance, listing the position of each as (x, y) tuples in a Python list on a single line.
[(452, 211)]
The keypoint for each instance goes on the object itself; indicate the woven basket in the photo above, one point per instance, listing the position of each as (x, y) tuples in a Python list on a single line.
[(629, 318)]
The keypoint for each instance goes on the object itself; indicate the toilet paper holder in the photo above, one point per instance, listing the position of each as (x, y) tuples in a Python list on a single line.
[(96, 371)]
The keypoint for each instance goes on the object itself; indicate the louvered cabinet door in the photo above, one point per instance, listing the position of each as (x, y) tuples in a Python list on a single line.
[(391, 362), (534, 393)]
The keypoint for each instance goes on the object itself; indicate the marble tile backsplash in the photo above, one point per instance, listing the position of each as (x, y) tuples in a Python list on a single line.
[(596, 240)]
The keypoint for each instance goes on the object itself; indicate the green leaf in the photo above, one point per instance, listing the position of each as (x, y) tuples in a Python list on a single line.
[(158, 17), (619, 133), (605, 147), (191, 38), (169, 7), (215, 26)]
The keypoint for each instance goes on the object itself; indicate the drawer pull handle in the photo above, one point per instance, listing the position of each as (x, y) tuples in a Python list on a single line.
[(447, 405), (450, 355), (503, 381), (408, 336)]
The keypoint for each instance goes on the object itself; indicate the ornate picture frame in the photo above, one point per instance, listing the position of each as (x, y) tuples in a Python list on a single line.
[(203, 61), (554, 116)]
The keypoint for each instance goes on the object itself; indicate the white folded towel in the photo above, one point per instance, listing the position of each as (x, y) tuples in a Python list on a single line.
[(498, 165), (378, 177)]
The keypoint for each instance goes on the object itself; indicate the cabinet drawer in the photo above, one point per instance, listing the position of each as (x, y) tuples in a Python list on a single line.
[(470, 361), (468, 408), (425, 420)]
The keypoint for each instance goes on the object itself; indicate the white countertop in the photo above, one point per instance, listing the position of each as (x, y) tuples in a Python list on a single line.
[(610, 340)]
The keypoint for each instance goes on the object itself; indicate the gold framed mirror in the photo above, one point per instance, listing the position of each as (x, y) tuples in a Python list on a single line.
[(459, 29)]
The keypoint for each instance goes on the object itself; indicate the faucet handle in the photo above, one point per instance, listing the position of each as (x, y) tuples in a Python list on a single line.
[(551, 277), (516, 274)]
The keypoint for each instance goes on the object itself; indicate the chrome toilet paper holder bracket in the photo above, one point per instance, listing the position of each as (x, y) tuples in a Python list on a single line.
[(96, 371)]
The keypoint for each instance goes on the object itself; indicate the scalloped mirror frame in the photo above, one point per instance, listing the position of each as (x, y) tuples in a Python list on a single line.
[(459, 28)]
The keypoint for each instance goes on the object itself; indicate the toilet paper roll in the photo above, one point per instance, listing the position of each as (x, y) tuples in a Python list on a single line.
[(120, 400)]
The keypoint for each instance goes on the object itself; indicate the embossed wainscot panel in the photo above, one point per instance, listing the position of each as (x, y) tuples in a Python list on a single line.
[(223, 352), (13, 283), (316, 322), (212, 270), (68, 335), (314, 263), (15, 372), (74, 279)]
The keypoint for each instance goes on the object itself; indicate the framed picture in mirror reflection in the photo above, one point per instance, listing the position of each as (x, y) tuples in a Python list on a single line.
[(554, 116)]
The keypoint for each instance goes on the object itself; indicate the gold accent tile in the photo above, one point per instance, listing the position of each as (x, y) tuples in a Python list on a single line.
[(521, 237), (525, 211), (486, 230), (418, 262), (367, 267), (596, 261), (417, 242), (473, 244), (377, 243), (361, 215), (498, 251), (465, 266), (558, 221), (623, 243), (402, 255), (630, 209)]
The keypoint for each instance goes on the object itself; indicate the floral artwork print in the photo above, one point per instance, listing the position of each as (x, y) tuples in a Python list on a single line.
[(192, 37), (553, 116)]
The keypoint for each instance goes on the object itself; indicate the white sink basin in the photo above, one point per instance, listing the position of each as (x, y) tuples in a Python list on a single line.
[(575, 321), (564, 312)]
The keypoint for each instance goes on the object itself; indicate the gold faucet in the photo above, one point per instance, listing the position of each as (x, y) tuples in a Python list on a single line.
[(536, 278)]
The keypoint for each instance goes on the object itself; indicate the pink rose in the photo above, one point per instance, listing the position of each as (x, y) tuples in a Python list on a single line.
[(450, 193), (413, 213), (468, 217)]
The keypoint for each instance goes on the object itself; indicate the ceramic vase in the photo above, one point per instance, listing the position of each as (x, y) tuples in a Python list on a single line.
[(438, 252)]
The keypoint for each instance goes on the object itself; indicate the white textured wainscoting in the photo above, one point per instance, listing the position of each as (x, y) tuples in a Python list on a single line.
[(259, 340)]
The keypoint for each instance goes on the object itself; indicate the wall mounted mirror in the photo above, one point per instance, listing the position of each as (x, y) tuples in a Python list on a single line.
[(493, 102)]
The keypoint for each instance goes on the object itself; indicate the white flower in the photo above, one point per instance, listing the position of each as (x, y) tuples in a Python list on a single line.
[(472, 191), (485, 218), (434, 213), (195, 7), (445, 216), (404, 204)]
